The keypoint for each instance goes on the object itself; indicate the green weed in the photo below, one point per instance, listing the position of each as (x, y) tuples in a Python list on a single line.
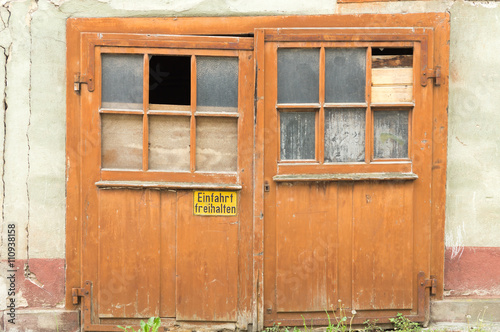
[(152, 325), (403, 324)]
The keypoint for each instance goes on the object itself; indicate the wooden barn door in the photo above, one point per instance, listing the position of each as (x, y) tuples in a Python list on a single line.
[(166, 179), (347, 173)]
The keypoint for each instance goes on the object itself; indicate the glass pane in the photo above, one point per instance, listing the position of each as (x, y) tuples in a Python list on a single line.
[(297, 130), (216, 144), (298, 75), (217, 84), (169, 143), (391, 134), (122, 80), (121, 141), (345, 135), (345, 75)]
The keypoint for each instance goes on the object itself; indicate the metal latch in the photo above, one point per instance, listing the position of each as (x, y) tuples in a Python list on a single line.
[(76, 293), (82, 79), (267, 187), (432, 73), (430, 283)]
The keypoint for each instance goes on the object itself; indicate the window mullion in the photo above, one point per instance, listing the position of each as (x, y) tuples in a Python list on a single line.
[(369, 117), (145, 106), (193, 118), (320, 125)]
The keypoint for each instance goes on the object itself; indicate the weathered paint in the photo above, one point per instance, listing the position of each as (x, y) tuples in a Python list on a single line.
[(32, 58), (472, 272)]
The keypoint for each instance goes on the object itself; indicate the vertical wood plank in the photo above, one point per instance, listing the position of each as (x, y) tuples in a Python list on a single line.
[(306, 233), (207, 264), (168, 249), (383, 246), (129, 253), (345, 240)]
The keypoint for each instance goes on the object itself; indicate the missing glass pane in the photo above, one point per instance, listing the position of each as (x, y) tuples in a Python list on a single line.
[(391, 134), (345, 135), (298, 130), (170, 80)]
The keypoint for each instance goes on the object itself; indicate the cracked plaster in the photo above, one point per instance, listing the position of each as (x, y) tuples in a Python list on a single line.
[(32, 38)]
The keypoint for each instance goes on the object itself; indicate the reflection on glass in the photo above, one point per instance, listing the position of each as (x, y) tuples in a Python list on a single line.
[(345, 135), (217, 84), (297, 135), (122, 81), (216, 144), (121, 137), (345, 75), (169, 143), (391, 134), (298, 75)]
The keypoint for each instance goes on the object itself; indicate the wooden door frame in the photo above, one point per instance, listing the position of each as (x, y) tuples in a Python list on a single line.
[(77, 27)]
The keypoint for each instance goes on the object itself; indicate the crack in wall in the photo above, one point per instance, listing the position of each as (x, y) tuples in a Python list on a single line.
[(6, 52), (33, 9)]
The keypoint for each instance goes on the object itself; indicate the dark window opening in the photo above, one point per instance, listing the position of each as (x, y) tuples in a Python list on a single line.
[(170, 80), (392, 51)]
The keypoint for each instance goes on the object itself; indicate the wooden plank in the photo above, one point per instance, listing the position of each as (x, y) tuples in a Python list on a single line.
[(392, 93), (439, 155), (168, 228), (207, 264), (306, 237), (392, 76), (382, 61), (382, 246), (395, 176), (129, 253)]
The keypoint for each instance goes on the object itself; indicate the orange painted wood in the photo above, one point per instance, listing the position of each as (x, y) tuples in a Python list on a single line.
[(168, 248), (129, 253), (306, 241), (83, 145), (207, 264), (382, 246)]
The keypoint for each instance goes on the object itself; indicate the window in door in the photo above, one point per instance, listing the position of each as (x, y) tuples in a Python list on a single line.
[(170, 112), (344, 104)]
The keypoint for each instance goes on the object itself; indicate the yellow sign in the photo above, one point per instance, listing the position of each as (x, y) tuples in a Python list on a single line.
[(215, 203)]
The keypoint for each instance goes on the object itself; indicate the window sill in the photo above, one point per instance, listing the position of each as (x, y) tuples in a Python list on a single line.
[(393, 176), (165, 185)]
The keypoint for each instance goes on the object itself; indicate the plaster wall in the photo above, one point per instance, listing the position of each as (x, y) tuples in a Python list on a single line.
[(32, 132)]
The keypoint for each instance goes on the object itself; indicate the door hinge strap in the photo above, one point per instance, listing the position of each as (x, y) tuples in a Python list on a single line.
[(76, 293), (432, 73), (82, 79), (430, 283)]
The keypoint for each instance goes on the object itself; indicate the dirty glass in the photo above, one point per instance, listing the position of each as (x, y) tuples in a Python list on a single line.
[(121, 141), (169, 142), (122, 81), (216, 144), (298, 75), (297, 135), (345, 135), (345, 75), (217, 84), (391, 134)]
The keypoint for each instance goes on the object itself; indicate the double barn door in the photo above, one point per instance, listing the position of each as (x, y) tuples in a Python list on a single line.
[(254, 180)]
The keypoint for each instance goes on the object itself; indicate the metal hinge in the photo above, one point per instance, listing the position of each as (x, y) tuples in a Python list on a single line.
[(82, 79), (76, 293), (432, 73), (430, 283)]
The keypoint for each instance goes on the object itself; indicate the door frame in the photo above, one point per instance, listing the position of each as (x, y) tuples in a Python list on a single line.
[(77, 27)]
